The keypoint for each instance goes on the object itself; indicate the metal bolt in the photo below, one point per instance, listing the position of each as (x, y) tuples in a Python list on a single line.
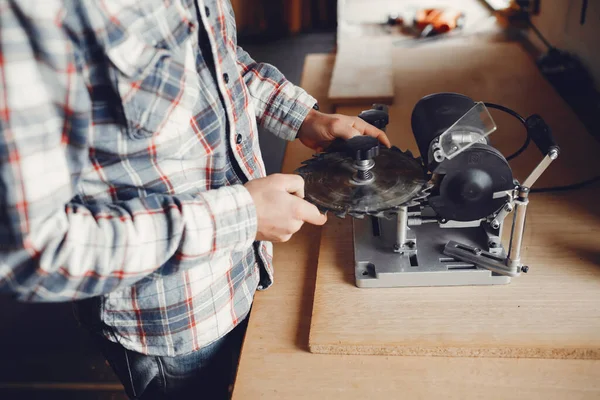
[(396, 247), (411, 245), (492, 244), (525, 269), (364, 175), (477, 252), (495, 224), (508, 208)]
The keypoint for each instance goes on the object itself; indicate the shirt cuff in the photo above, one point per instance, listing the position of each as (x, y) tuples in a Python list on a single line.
[(287, 111), (232, 214)]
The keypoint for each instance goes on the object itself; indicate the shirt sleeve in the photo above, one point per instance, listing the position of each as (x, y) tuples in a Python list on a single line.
[(280, 106), (51, 247)]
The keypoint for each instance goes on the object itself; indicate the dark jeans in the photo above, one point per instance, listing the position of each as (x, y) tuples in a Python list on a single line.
[(205, 374)]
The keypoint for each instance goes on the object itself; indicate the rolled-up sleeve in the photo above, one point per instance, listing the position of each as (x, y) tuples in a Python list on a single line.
[(280, 106)]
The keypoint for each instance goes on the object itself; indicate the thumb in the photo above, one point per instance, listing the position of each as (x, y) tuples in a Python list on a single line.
[(293, 184), (309, 213)]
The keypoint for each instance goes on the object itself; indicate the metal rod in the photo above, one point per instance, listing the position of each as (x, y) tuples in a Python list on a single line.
[(402, 227), (363, 171), (518, 228), (541, 167)]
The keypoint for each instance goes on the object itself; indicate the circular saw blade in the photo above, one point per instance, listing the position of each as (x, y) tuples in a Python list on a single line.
[(399, 179)]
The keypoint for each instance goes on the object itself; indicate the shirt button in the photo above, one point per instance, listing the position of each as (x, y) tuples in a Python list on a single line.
[(238, 138), (207, 11), (226, 77)]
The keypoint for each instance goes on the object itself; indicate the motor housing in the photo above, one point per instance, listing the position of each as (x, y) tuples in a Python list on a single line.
[(464, 185)]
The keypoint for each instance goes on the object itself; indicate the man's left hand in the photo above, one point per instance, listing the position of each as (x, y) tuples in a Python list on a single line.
[(318, 130)]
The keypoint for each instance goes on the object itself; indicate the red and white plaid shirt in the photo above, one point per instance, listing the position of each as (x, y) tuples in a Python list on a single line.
[(123, 150)]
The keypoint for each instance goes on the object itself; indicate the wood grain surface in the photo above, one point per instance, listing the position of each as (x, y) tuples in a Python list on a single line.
[(552, 312), (363, 73), (276, 364)]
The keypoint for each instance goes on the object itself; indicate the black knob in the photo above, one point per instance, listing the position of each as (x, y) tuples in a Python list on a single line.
[(377, 116), (541, 134), (362, 148)]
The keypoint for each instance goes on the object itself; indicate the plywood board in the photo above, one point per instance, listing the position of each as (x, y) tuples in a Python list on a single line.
[(363, 73), (552, 312)]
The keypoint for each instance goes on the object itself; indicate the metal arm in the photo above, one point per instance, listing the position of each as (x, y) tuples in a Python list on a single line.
[(512, 265)]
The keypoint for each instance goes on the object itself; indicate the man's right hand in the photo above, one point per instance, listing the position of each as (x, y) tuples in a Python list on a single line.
[(280, 207)]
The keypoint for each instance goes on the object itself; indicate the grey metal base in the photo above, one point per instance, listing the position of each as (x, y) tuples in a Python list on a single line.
[(378, 265)]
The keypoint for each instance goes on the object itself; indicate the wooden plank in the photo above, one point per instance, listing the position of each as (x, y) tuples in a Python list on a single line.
[(552, 312), (366, 82), (275, 363)]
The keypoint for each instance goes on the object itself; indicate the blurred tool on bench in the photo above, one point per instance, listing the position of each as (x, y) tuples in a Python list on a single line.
[(430, 21)]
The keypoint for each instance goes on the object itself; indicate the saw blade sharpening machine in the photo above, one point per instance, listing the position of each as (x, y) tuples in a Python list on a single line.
[(435, 220)]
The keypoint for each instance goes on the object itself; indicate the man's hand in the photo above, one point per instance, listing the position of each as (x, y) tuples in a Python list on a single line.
[(318, 130), (280, 207)]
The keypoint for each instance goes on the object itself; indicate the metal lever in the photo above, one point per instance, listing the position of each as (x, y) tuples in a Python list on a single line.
[(511, 265), (541, 135), (521, 202), (480, 258), (378, 116), (541, 167)]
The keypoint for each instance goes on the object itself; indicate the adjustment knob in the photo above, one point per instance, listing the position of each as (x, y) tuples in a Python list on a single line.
[(377, 116), (363, 148)]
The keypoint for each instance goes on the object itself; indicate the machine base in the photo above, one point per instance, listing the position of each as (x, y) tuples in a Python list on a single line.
[(378, 265)]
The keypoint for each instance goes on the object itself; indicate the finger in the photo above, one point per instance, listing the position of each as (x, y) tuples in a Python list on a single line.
[(309, 213), (345, 130), (367, 129), (284, 238), (293, 184)]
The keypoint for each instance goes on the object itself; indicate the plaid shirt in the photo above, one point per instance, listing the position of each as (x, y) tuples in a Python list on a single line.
[(127, 130)]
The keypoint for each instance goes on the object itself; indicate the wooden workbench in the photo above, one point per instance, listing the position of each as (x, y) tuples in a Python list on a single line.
[(537, 315), (276, 364)]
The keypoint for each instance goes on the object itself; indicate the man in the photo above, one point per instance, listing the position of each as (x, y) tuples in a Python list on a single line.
[(131, 176)]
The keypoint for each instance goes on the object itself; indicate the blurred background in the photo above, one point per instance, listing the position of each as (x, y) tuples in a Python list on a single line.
[(269, 18), (282, 33)]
